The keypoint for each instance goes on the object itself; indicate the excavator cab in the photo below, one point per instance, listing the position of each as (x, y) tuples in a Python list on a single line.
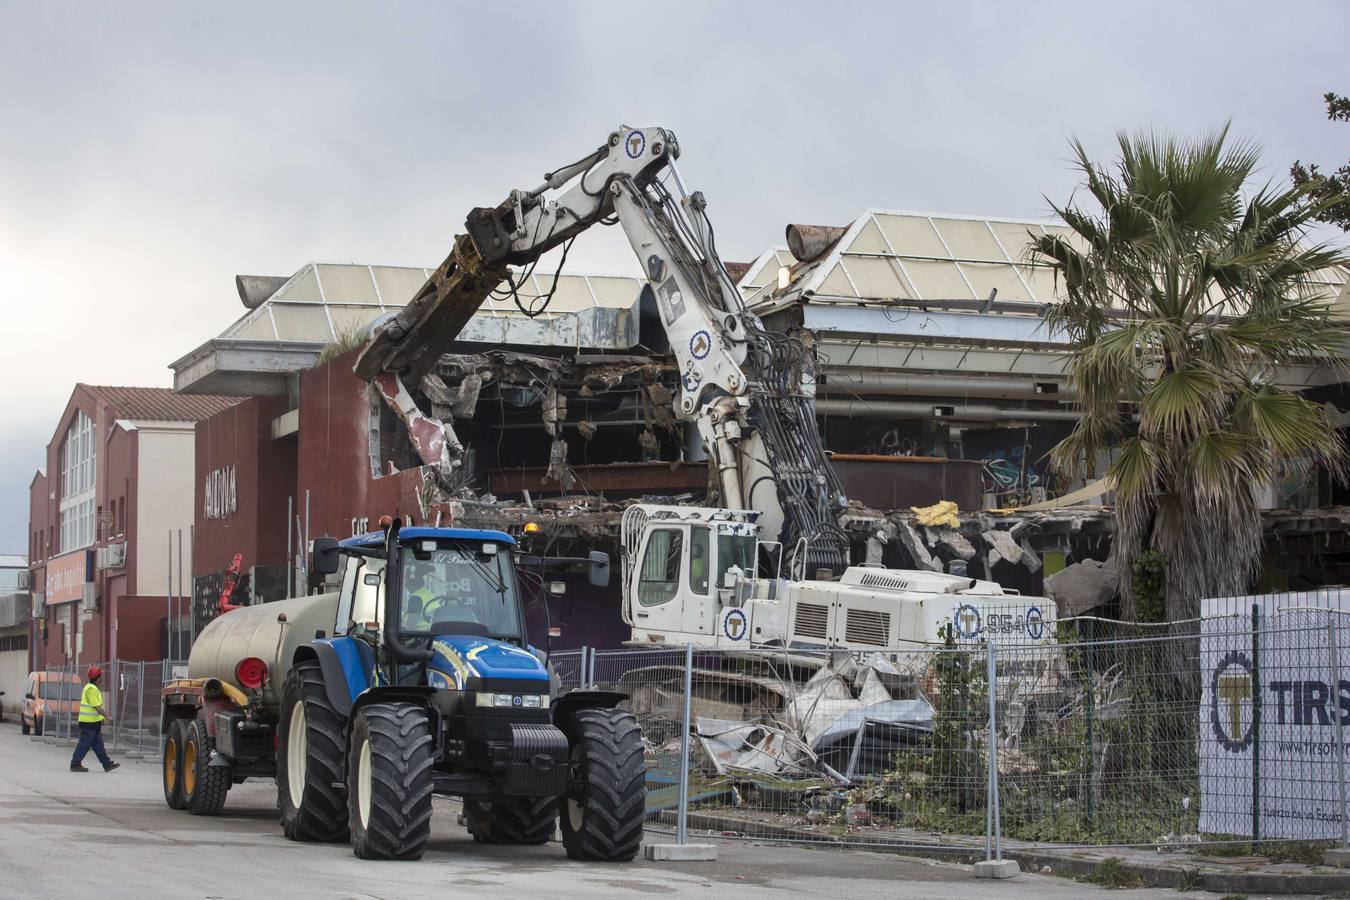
[(683, 573)]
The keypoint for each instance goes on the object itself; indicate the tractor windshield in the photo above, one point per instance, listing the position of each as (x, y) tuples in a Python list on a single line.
[(457, 588)]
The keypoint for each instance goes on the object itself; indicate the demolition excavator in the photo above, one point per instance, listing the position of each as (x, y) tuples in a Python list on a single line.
[(768, 567)]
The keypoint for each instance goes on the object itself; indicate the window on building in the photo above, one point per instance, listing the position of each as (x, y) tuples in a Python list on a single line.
[(78, 515)]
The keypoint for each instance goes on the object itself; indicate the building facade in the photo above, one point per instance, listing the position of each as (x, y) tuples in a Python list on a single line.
[(105, 519), (936, 378)]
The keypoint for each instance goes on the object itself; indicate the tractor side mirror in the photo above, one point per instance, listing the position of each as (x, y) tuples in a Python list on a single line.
[(324, 556), (599, 574), (29, 697)]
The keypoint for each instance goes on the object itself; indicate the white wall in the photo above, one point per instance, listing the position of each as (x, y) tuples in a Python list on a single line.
[(13, 672), (164, 501)]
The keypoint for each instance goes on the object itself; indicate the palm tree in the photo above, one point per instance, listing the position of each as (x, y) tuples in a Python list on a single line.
[(1186, 297)]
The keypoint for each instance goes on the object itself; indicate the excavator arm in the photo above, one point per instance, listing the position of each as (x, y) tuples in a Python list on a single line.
[(742, 385)]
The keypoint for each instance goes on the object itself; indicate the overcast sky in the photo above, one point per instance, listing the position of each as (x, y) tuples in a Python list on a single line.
[(149, 152)]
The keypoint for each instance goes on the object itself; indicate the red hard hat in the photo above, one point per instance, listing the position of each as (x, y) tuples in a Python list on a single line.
[(94, 673)]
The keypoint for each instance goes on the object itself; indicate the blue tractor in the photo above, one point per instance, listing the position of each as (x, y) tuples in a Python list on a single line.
[(428, 686)]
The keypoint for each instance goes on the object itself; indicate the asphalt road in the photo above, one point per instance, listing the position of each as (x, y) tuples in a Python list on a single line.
[(110, 836)]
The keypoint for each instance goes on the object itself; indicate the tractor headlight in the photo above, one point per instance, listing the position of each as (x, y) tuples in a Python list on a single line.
[(505, 701)]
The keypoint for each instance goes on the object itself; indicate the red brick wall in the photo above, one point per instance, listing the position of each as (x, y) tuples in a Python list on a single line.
[(334, 456), (241, 436)]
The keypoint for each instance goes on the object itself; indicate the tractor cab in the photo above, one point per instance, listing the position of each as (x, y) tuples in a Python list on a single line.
[(427, 583)]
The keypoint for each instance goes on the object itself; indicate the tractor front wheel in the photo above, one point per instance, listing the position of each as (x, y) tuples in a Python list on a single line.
[(309, 759), (389, 781), (606, 795)]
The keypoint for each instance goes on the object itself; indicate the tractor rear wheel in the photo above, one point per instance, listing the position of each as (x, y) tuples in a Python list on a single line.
[(172, 773), (389, 781), (606, 795), (520, 820), (310, 739), (204, 785)]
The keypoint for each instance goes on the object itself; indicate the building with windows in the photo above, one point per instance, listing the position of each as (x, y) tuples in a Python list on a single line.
[(105, 518)]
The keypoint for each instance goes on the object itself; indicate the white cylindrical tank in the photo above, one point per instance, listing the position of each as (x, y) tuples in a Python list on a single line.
[(258, 631)]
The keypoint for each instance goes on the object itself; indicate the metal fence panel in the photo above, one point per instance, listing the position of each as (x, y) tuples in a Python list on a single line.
[(1104, 734)]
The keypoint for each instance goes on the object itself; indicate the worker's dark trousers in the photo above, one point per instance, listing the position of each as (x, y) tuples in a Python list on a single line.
[(91, 737)]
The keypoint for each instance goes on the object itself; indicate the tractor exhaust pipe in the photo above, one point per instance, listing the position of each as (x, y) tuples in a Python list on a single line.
[(393, 590)]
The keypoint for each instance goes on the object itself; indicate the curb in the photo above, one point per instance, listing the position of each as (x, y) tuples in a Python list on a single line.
[(1061, 862)]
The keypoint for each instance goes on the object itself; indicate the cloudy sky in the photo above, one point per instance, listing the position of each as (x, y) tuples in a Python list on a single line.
[(149, 152)]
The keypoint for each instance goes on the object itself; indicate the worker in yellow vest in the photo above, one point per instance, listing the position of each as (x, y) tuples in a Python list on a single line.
[(92, 717)]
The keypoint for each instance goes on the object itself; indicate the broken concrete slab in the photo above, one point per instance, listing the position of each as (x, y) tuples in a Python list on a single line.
[(1030, 558), (1002, 546), (953, 545), (1081, 586), (917, 551)]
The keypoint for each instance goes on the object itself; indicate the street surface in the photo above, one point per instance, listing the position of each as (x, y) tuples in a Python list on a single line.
[(110, 836)]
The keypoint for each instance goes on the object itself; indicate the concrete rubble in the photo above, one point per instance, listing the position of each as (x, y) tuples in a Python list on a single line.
[(1002, 546), (1081, 587), (909, 537)]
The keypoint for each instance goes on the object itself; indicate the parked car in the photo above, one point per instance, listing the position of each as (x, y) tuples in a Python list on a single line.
[(49, 692)]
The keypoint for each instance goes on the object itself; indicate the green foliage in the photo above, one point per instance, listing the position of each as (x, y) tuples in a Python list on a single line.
[(1186, 293), (1150, 586), (1332, 192), (346, 337), (1191, 880), (1111, 873), (945, 780)]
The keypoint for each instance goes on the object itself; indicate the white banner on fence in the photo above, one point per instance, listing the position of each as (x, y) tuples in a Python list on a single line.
[(1287, 759)]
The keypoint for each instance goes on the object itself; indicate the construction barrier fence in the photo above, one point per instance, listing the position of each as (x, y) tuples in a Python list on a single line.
[(1227, 730)]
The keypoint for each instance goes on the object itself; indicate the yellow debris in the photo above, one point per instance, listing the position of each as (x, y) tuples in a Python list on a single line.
[(941, 513)]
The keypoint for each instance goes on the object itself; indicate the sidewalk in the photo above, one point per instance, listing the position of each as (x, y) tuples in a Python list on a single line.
[(1190, 868)]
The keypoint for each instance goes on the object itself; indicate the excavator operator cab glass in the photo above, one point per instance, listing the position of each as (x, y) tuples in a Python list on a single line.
[(734, 550), (458, 587)]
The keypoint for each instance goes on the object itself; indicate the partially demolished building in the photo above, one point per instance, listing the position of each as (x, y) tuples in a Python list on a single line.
[(937, 380)]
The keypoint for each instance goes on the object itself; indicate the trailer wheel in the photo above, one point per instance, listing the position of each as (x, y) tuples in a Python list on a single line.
[(523, 820), (606, 795), (204, 785), (390, 781), (172, 771), (309, 759)]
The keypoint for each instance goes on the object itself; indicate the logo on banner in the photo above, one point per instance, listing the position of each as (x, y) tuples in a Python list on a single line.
[(967, 621), (1230, 702), (735, 624)]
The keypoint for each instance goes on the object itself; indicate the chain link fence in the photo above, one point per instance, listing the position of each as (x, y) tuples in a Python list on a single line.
[(131, 693), (1220, 731)]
